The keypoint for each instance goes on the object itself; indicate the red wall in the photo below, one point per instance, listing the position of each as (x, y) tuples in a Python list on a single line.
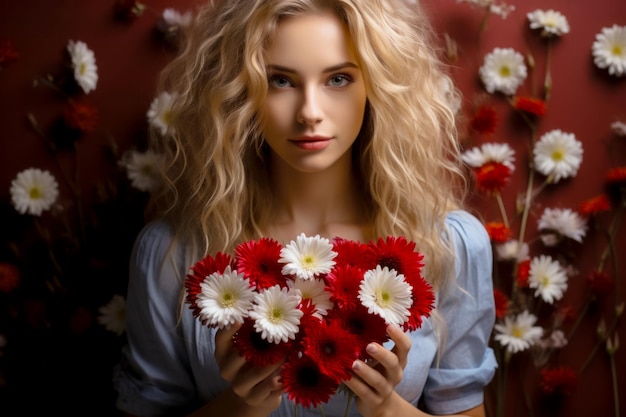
[(59, 311)]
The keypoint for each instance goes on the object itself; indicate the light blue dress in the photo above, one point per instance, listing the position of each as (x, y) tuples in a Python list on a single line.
[(168, 367)]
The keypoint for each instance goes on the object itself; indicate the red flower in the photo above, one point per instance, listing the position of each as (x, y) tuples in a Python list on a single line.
[(616, 176), (256, 350), (502, 303), (305, 383), (484, 120), (397, 253), (492, 176), (523, 272), (258, 261), (498, 232), (560, 380), (80, 116), (423, 302), (600, 283), (7, 53), (9, 277), (367, 327), (352, 253), (530, 105), (595, 205), (343, 283), (199, 271), (332, 347)]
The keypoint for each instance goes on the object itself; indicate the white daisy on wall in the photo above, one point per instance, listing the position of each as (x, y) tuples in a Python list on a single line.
[(519, 333), (34, 191), (563, 222), (558, 155), (142, 169), (113, 315), (490, 152), (84, 65), (609, 50), (160, 112), (551, 22), (512, 250), (503, 71), (548, 278)]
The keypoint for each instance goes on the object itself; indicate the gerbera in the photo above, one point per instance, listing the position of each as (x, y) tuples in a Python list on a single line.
[(498, 232), (619, 128), (557, 155), (387, 294), (258, 261), (343, 284), (333, 347), (512, 250), (255, 349), (616, 176), (530, 105), (501, 302), (84, 65), (365, 326), (609, 50), (423, 302), (560, 380), (200, 271), (307, 257), (305, 383), (551, 22), (352, 253), (142, 169), (113, 315), (161, 110), (563, 223), (519, 333), (548, 278), (275, 313), (503, 70), (492, 177), (397, 253), (595, 205), (34, 191), (9, 277), (224, 298), (314, 290), (81, 116), (484, 120), (523, 272), (500, 153)]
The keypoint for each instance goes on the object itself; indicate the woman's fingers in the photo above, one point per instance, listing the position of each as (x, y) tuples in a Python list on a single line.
[(402, 343)]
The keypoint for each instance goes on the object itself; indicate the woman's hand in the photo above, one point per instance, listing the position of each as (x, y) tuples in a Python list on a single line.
[(373, 383), (256, 387)]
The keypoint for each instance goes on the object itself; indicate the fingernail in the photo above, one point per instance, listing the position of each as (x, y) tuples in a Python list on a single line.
[(371, 348), (356, 365)]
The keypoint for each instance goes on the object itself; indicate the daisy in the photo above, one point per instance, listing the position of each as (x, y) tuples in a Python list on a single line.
[(557, 155), (34, 191), (198, 273), (256, 350), (333, 347), (609, 50), (305, 383), (548, 278), (500, 153), (512, 250), (564, 222), (500, 9), (551, 22), (385, 293), (619, 128), (258, 261), (314, 290), (276, 315), (518, 334), (503, 70), (175, 18), (160, 112), (113, 315), (224, 298), (307, 257), (84, 65), (143, 169)]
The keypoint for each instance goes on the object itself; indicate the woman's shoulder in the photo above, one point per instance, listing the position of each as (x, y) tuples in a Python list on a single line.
[(466, 226)]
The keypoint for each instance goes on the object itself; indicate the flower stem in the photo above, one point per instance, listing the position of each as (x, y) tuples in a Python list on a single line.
[(348, 403), (579, 319), (615, 390), (319, 407), (547, 83), (502, 209), (602, 340)]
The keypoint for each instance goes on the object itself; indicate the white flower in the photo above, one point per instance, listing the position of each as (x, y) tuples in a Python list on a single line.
[(386, 293), (518, 334), (556, 340), (512, 251), (558, 155), (276, 315), (609, 50), (113, 315), (224, 299), (160, 112), (174, 18), (619, 128), (551, 22), (34, 191), (548, 278), (307, 257), (142, 169), (490, 152), (503, 70), (84, 65), (314, 290), (500, 9), (565, 222)]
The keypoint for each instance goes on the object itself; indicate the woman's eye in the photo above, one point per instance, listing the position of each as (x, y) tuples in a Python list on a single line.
[(279, 81), (339, 80)]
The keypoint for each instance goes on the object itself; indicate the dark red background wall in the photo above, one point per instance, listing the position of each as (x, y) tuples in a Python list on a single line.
[(70, 367)]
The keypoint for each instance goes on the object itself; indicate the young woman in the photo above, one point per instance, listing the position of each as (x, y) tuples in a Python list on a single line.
[(329, 117)]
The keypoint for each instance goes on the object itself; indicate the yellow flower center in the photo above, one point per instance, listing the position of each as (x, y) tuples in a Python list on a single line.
[(82, 69), (228, 300), (35, 193), (517, 332), (545, 281), (383, 298), (617, 50), (558, 155), (276, 315), (505, 71), (308, 262), (167, 117)]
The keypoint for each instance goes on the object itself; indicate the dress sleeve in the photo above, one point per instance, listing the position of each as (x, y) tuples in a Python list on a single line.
[(153, 377), (467, 364)]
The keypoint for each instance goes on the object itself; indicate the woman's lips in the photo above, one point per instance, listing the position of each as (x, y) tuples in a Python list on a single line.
[(311, 143)]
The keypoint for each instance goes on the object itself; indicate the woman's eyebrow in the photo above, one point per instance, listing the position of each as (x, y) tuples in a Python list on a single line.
[(334, 68)]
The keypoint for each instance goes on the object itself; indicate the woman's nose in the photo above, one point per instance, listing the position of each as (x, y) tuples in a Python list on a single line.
[(310, 112)]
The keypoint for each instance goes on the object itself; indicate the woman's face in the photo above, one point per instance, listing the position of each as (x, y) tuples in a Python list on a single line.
[(316, 100)]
